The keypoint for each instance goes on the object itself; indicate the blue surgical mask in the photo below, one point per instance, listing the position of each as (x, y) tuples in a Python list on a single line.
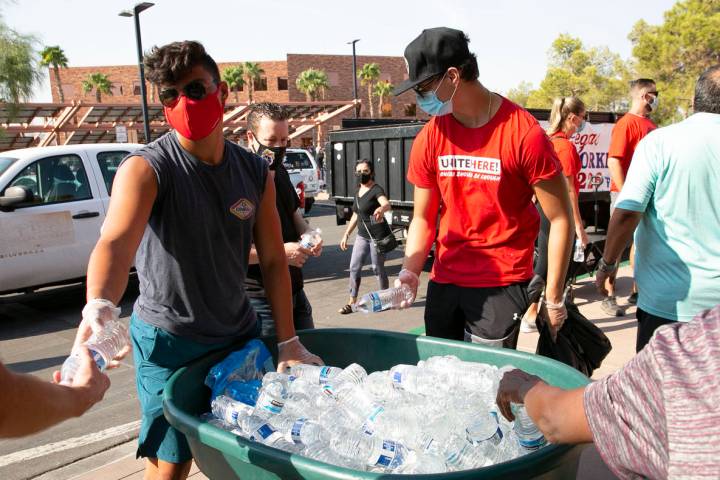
[(581, 127), (432, 105)]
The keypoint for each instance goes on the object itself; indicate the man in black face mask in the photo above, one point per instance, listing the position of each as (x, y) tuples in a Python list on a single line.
[(267, 135)]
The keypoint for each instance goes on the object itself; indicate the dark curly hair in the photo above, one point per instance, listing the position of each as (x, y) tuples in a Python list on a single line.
[(273, 111), (166, 65)]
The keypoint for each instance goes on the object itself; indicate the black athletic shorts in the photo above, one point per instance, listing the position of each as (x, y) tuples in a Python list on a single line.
[(489, 315)]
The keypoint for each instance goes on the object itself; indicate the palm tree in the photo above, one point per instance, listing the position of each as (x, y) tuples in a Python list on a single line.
[(312, 82), (252, 72), (54, 57), (382, 90), (100, 82), (233, 76), (19, 70), (369, 73)]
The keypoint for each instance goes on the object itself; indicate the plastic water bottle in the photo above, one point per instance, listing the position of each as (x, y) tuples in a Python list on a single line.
[(271, 399), (528, 435), (260, 430), (385, 455), (579, 253), (103, 346), (314, 374), (311, 238), (461, 454), (301, 431), (353, 373), (485, 427), (380, 300), (412, 379), (230, 411)]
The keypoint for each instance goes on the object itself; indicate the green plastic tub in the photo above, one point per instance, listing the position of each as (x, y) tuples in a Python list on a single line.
[(224, 456)]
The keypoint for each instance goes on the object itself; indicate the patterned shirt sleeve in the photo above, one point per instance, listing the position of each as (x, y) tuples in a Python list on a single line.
[(626, 414)]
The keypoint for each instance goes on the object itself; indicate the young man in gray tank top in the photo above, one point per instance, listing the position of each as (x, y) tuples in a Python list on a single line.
[(187, 208)]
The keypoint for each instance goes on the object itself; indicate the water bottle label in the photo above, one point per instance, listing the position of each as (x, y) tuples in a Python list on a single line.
[(265, 434), (272, 406), (387, 455), (98, 359), (327, 389), (296, 429), (324, 372), (498, 436), (532, 443), (369, 426), (376, 303)]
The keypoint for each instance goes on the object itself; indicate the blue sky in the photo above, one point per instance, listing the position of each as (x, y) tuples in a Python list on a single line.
[(511, 37)]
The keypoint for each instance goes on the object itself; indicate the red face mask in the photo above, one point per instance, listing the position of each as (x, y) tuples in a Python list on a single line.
[(195, 119)]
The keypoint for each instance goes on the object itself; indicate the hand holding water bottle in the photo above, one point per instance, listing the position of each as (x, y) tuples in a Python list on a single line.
[(312, 240), (411, 280), (514, 385), (88, 383), (96, 315)]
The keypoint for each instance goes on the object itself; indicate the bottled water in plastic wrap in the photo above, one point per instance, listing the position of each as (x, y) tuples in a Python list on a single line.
[(434, 417)]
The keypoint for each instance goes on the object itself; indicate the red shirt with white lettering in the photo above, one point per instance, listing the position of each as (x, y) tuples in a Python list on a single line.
[(568, 156), (484, 176), (626, 134)]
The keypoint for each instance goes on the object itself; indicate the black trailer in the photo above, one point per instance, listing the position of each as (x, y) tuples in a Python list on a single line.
[(388, 143)]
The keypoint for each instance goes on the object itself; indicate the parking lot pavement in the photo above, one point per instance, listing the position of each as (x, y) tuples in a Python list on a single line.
[(36, 334)]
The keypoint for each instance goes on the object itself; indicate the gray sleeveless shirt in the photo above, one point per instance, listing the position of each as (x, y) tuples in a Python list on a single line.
[(193, 257)]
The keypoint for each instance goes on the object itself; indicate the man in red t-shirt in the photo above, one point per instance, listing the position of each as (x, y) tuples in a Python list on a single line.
[(477, 163), (626, 134)]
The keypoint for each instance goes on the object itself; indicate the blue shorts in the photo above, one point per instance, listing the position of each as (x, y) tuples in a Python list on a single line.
[(157, 355)]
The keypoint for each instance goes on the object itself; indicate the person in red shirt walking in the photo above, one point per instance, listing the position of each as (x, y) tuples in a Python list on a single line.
[(482, 158), (626, 134), (567, 116)]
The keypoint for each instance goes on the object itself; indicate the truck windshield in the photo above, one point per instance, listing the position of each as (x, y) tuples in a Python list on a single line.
[(5, 162)]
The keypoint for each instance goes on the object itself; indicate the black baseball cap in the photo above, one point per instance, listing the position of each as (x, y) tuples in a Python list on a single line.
[(432, 53)]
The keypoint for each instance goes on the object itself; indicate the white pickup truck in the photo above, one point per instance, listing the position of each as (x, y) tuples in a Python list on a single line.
[(53, 201), (299, 162)]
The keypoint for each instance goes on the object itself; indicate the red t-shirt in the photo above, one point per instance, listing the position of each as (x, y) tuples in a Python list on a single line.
[(626, 134), (568, 156), (484, 175)]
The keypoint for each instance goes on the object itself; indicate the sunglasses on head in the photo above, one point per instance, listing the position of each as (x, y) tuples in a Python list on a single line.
[(194, 90)]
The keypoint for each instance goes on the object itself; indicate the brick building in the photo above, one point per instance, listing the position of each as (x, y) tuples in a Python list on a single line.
[(276, 84)]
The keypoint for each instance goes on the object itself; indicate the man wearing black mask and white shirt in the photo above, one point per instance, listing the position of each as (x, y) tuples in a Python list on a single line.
[(267, 135)]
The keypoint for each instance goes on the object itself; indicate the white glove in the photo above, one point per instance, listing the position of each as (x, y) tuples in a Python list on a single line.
[(406, 277), (292, 352), (98, 312)]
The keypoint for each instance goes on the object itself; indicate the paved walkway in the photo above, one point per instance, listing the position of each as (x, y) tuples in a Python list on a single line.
[(119, 463)]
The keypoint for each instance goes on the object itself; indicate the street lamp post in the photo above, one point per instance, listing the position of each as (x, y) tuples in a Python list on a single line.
[(135, 12), (355, 95)]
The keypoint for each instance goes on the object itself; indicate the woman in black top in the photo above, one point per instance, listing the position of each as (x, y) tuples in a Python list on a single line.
[(369, 208)]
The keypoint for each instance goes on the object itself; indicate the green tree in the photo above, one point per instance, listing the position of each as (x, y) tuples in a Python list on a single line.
[(252, 72), (54, 57), (100, 82), (369, 73), (313, 83), (675, 52), (382, 90), (235, 78), (596, 75), (520, 94), (19, 69)]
